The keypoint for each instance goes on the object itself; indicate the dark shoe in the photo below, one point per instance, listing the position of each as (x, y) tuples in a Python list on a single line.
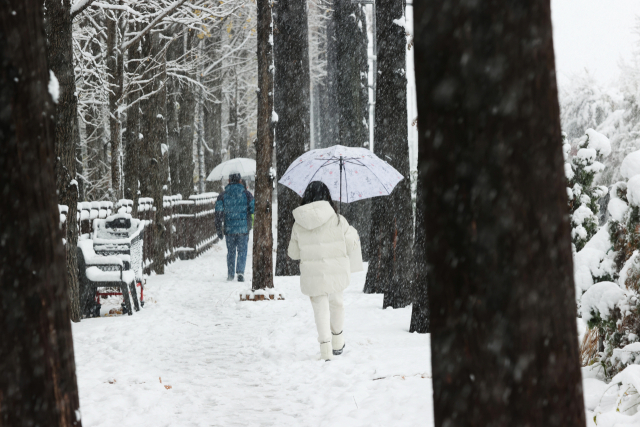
[(337, 342), (230, 278), (240, 277)]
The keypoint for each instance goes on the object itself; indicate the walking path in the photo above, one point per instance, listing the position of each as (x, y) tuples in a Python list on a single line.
[(232, 363)]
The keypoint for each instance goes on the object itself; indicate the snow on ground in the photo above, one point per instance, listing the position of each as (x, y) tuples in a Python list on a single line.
[(232, 363)]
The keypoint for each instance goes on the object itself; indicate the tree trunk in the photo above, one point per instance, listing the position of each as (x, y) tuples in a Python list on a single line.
[(291, 49), (503, 338), (213, 115), (132, 132), (37, 369), (213, 138), (351, 97), (60, 55), (186, 116), (155, 135), (174, 51), (262, 232), (94, 138), (391, 266), (420, 293), (79, 158), (115, 70)]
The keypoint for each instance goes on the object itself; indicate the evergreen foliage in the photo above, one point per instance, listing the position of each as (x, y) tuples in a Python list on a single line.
[(581, 171)]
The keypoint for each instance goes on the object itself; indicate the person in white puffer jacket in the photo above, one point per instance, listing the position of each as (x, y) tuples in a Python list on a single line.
[(329, 251)]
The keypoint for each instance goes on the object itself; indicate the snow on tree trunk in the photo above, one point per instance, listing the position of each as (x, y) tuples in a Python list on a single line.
[(504, 347), (37, 366), (262, 232), (291, 99), (60, 56)]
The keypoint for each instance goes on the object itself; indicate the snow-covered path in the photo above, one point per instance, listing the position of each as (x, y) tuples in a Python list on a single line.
[(232, 363)]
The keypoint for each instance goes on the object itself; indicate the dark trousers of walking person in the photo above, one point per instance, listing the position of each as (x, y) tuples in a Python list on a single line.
[(236, 244)]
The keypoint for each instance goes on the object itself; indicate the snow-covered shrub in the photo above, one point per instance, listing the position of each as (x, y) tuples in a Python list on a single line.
[(600, 303), (624, 411), (625, 356), (583, 194)]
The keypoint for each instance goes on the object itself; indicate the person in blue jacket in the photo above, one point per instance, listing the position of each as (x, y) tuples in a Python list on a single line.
[(234, 208)]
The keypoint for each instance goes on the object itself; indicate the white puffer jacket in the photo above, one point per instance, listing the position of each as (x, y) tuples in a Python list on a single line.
[(328, 249)]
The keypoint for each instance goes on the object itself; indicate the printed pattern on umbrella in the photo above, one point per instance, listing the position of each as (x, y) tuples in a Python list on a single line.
[(364, 175)]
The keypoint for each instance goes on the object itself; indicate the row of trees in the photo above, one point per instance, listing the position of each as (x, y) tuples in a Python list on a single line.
[(339, 81), (154, 94), (498, 248)]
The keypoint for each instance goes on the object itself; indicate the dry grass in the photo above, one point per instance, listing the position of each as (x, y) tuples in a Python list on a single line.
[(589, 346)]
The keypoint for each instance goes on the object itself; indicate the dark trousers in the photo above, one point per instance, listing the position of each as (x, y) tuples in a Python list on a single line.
[(236, 243)]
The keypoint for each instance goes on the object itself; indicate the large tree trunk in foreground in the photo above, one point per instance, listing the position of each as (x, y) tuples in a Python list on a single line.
[(390, 267), (503, 332), (291, 49), (60, 55), (37, 369), (262, 233)]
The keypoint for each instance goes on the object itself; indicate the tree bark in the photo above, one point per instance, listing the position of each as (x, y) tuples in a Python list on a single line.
[(503, 337), (351, 97), (391, 136), (132, 131), (213, 138), (291, 50), (94, 137), (60, 56), (390, 268), (174, 51), (420, 292), (155, 136), (213, 115), (115, 70), (186, 116), (79, 157), (37, 368), (262, 232)]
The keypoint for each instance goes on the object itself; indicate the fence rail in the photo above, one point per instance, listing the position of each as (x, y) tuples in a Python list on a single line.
[(189, 225)]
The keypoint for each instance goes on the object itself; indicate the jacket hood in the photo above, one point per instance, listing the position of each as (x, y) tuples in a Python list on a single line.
[(313, 215)]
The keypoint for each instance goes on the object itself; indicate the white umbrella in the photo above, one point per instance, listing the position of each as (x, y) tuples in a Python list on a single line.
[(358, 172), (245, 167)]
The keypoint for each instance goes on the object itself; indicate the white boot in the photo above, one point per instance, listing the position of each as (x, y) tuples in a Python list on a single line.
[(337, 342), (326, 352)]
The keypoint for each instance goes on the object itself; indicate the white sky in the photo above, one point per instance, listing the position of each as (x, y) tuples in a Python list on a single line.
[(593, 34)]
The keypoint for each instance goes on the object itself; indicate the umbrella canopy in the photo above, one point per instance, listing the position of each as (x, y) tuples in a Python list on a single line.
[(351, 173), (245, 167)]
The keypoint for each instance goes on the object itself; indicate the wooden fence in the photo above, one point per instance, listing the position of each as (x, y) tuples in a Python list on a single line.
[(189, 224)]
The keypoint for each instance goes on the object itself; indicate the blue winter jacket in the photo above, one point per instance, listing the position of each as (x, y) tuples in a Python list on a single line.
[(234, 207)]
